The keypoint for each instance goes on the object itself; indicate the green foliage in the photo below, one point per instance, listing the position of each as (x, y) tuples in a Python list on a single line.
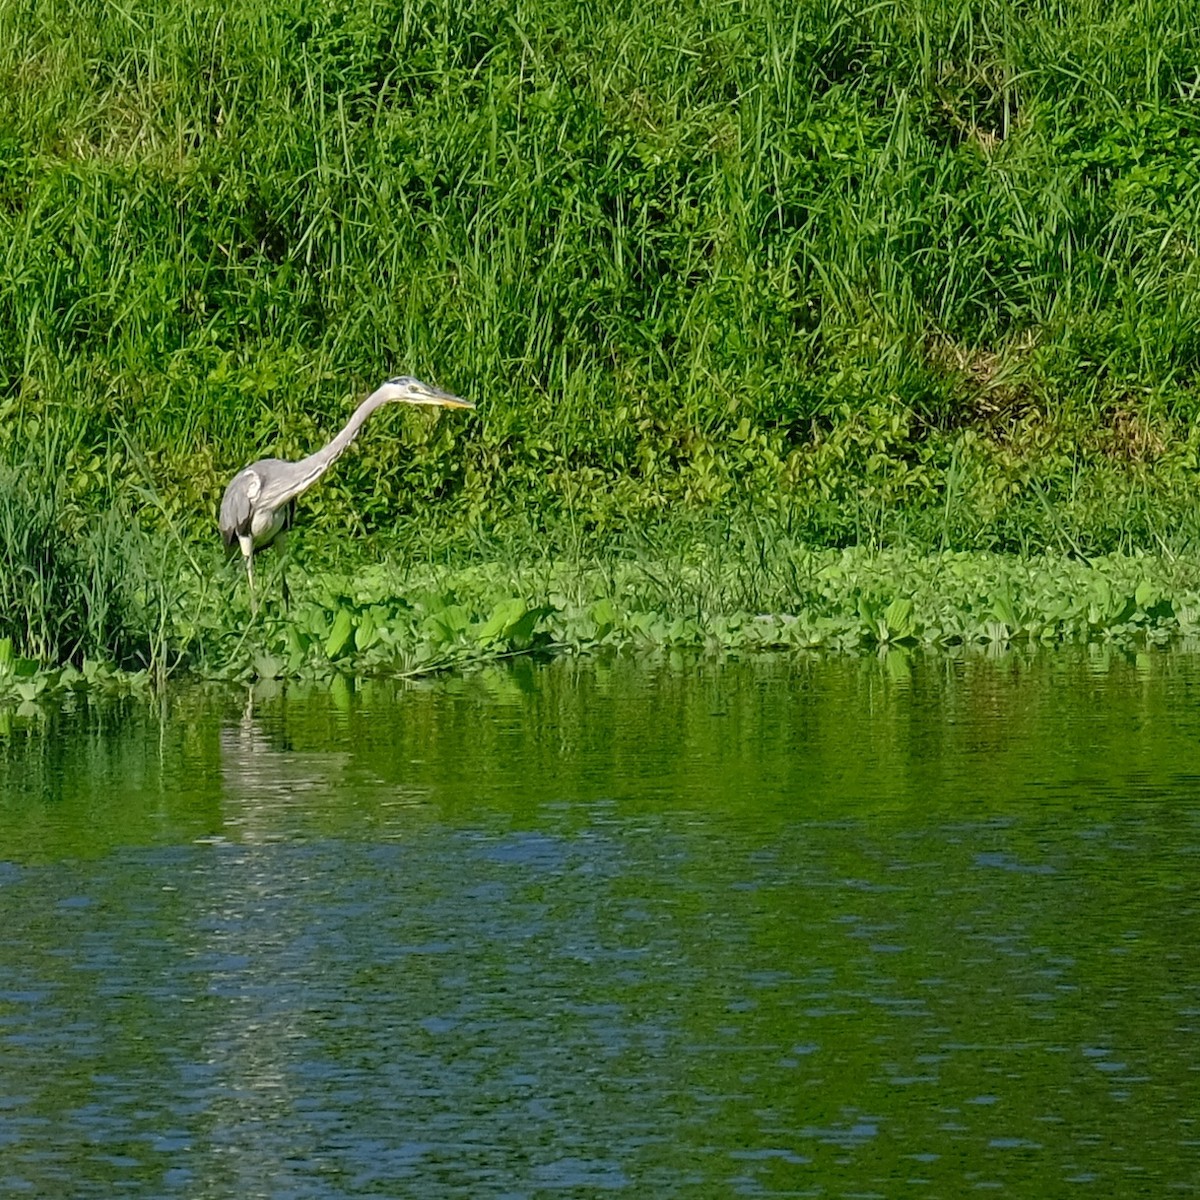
[(733, 595), (719, 591), (678, 255), (75, 586), (729, 282)]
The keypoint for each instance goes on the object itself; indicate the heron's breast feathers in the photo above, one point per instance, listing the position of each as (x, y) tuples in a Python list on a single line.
[(267, 524)]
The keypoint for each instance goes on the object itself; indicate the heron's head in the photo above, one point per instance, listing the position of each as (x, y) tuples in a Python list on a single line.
[(404, 389)]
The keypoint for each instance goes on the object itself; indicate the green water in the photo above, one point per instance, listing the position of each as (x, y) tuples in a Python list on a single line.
[(911, 927)]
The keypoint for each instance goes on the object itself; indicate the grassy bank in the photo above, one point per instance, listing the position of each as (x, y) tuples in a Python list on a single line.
[(933, 257), (910, 278), (714, 590)]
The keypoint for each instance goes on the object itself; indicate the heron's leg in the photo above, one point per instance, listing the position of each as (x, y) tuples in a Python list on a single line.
[(247, 545), (281, 548)]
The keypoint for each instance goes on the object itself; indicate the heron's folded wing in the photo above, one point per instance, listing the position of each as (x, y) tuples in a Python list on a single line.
[(286, 480), (234, 518)]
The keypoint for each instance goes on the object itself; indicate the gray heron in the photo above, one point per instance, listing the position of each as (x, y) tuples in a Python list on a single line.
[(257, 503)]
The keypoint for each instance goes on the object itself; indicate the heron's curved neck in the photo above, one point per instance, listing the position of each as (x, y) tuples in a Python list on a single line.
[(285, 481), (316, 464)]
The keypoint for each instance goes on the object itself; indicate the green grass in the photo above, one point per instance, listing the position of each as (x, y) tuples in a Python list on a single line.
[(908, 277), (76, 585), (674, 254)]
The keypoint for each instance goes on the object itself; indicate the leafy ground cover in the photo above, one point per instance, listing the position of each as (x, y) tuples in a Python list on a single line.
[(411, 617), (387, 619)]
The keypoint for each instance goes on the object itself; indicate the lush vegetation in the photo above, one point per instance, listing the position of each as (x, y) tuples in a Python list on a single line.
[(756, 594), (904, 276)]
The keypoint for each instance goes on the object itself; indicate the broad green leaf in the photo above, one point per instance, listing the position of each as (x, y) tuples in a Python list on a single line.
[(898, 618), (447, 623), (1146, 595), (604, 613), (339, 635), (454, 617), (30, 689), (365, 634), (1002, 610), (520, 634), (504, 616)]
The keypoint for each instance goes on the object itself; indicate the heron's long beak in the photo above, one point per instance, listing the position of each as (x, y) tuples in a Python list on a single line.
[(434, 395), (446, 400)]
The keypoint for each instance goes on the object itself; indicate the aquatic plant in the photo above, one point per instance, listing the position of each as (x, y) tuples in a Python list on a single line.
[(402, 618), (738, 594)]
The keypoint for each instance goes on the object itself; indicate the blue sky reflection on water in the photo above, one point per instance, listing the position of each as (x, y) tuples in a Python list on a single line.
[(816, 927)]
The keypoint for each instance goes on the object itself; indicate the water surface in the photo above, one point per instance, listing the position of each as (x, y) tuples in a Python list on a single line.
[(845, 927)]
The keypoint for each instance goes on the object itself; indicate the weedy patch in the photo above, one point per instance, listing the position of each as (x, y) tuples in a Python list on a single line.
[(401, 620)]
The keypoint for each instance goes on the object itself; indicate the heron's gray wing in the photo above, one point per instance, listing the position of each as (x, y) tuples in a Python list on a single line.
[(283, 481), (237, 505)]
